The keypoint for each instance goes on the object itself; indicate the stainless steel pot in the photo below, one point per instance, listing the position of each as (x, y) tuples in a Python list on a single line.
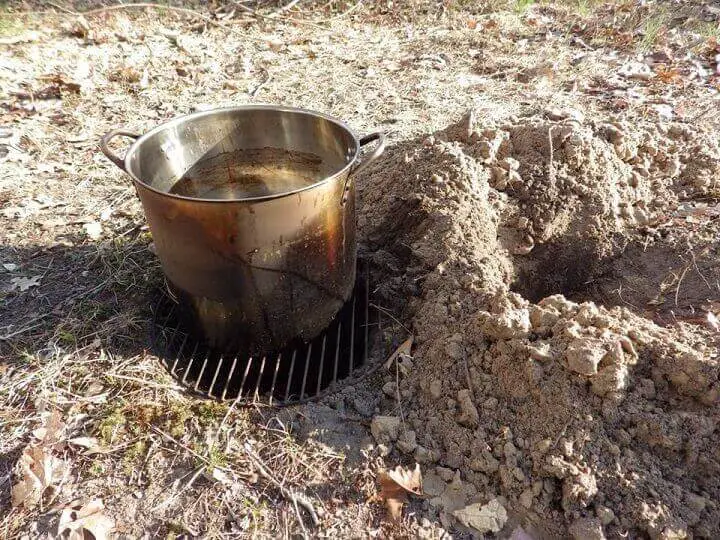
[(252, 211)]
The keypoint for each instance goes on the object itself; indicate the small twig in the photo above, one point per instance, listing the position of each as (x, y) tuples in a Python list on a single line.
[(347, 11), (286, 7), (148, 455), (397, 388), (276, 17), (295, 498), (677, 289), (184, 447), (697, 269), (175, 495), (580, 42), (711, 107), (62, 8), (300, 519), (260, 86), (145, 382), (389, 314), (34, 323), (150, 5)]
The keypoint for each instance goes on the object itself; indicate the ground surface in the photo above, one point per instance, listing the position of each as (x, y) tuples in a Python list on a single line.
[(588, 169)]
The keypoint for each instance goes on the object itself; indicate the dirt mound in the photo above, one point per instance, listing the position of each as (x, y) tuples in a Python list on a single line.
[(576, 418)]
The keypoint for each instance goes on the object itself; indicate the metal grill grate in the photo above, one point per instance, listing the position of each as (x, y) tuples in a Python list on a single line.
[(298, 373)]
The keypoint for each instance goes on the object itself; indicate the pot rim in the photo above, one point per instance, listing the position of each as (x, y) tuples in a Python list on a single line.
[(279, 108)]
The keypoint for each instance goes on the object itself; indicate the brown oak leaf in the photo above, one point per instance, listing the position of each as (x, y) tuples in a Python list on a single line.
[(394, 487)]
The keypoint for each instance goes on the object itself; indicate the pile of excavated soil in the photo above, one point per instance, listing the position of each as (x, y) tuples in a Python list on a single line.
[(572, 417)]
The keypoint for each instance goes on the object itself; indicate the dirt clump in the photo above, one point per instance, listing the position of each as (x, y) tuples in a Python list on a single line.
[(578, 419)]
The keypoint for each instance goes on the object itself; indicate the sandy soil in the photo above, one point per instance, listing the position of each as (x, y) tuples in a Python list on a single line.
[(553, 253)]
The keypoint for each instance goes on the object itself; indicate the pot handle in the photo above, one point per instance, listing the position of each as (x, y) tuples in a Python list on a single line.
[(379, 149), (117, 160)]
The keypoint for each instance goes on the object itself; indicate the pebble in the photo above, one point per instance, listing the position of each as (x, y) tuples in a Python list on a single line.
[(514, 178), (696, 502), (526, 498), (510, 164), (605, 515), (454, 350), (469, 416), (407, 443), (612, 378), (543, 445), (519, 474), (490, 403), (584, 354), (446, 474), (483, 518), (385, 429), (384, 449), (364, 406), (557, 114), (435, 389), (423, 455), (587, 529), (389, 389), (509, 450), (647, 388)]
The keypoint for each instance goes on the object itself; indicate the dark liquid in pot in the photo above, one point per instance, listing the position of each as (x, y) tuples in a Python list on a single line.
[(246, 173)]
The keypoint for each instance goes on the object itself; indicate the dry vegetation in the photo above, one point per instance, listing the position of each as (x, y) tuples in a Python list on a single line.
[(83, 405)]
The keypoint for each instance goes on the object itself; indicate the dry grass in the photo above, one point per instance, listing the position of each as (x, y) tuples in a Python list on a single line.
[(173, 464)]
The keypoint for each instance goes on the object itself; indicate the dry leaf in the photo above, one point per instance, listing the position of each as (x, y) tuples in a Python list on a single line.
[(39, 470), (712, 322), (76, 521), (668, 75), (23, 284), (145, 79), (52, 430), (80, 28), (221, 476), (58, 86), (93, 229), (394, 487), (28, 37), (90, 443), (403, 350)]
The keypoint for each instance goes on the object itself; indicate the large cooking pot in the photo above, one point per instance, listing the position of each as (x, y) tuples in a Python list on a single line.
[(252, 211)]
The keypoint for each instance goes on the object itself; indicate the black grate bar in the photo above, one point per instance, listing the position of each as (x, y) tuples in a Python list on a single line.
[(189, 366), (337, 355), (367, 317), (169, 340), (242, 384), (178, 355), (305, 373), (202, 371), (275, 374), (215, 376), (322, 363), (229, 378), (256, 394), (290, 375), (352, 335)]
